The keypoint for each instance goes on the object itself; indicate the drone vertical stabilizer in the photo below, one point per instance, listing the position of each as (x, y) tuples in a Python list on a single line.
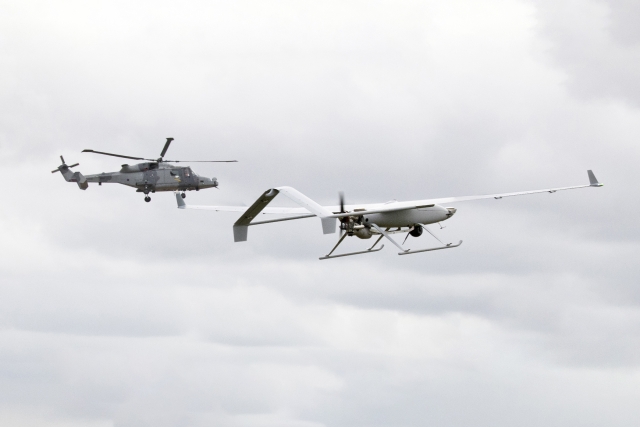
[(593, 181)]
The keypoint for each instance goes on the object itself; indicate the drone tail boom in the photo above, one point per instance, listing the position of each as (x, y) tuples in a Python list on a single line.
[(240, 228)]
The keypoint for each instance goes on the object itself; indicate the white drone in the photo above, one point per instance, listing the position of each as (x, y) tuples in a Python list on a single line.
[(363, 221)]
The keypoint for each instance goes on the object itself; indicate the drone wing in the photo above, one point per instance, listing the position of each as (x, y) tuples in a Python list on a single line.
[(400, 206), (274, 210), (593, 182), (309, 208)]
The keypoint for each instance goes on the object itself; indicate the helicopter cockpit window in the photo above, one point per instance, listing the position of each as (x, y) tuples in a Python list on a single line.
[(187, 172)]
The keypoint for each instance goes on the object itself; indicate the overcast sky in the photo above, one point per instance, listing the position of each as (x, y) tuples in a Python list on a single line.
[(115, 312)]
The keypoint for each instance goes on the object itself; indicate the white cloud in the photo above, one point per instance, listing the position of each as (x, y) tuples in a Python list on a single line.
[(117, 312)]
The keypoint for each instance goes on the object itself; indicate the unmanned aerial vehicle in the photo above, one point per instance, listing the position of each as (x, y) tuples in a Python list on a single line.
[(366, 220)]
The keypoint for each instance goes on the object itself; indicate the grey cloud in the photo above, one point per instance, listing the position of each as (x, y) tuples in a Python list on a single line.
[(119, 312), (596, 44)]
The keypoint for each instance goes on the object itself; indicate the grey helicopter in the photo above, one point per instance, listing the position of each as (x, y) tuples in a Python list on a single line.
[(148, 177)]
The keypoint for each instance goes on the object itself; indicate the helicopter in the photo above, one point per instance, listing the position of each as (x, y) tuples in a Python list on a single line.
[(148, 177)]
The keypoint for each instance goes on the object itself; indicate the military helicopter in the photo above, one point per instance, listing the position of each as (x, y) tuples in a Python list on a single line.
[(149, 177)]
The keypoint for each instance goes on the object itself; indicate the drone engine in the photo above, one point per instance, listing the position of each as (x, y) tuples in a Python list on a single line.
[(354, 226), (363, 233)]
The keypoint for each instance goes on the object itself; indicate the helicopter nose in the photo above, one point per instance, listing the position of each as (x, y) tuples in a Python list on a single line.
[(208, 182)]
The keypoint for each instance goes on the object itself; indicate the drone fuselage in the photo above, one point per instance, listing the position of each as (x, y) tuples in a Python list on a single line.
[(408, 218), (150, 177), (395, 221)]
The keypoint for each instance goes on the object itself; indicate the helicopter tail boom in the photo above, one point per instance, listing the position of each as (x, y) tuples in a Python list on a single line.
[(69, 176), (76, 177)]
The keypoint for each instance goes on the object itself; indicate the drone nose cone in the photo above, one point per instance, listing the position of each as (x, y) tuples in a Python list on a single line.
[(452, 211)]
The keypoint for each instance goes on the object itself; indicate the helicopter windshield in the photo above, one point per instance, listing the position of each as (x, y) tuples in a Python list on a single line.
[(187, 172)]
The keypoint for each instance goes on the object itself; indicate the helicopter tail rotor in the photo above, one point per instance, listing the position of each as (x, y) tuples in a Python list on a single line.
[(69, 176)]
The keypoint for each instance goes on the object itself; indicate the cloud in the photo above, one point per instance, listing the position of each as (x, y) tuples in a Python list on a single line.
[(118, 312)]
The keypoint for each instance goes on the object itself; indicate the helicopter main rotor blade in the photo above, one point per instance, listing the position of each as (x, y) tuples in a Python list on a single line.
[(200, 161), (166, 147), (116, 155)]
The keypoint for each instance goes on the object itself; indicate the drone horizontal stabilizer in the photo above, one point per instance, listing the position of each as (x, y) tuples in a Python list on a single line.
[(241, 226)]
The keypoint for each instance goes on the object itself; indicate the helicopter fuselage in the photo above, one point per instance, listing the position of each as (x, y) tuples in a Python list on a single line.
[(151, 177)]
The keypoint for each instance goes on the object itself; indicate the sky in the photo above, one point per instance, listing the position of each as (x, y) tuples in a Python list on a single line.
[(116, 313)]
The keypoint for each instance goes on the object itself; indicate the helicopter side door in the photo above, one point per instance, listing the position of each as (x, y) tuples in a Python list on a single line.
[(150, 175), (190, 179), (176, 177)]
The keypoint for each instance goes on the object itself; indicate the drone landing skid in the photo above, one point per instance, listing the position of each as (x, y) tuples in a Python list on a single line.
[(370, 250), (447, 246)]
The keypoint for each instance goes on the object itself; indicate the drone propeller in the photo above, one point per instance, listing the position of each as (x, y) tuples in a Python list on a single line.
[(343, 219)]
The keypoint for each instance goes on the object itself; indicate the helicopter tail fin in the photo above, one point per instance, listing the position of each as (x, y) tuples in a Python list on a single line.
[(76, 177), (79, 179), (69, 176)]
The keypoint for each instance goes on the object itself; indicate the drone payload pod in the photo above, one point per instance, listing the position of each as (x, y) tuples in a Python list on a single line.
[(366, 220)]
